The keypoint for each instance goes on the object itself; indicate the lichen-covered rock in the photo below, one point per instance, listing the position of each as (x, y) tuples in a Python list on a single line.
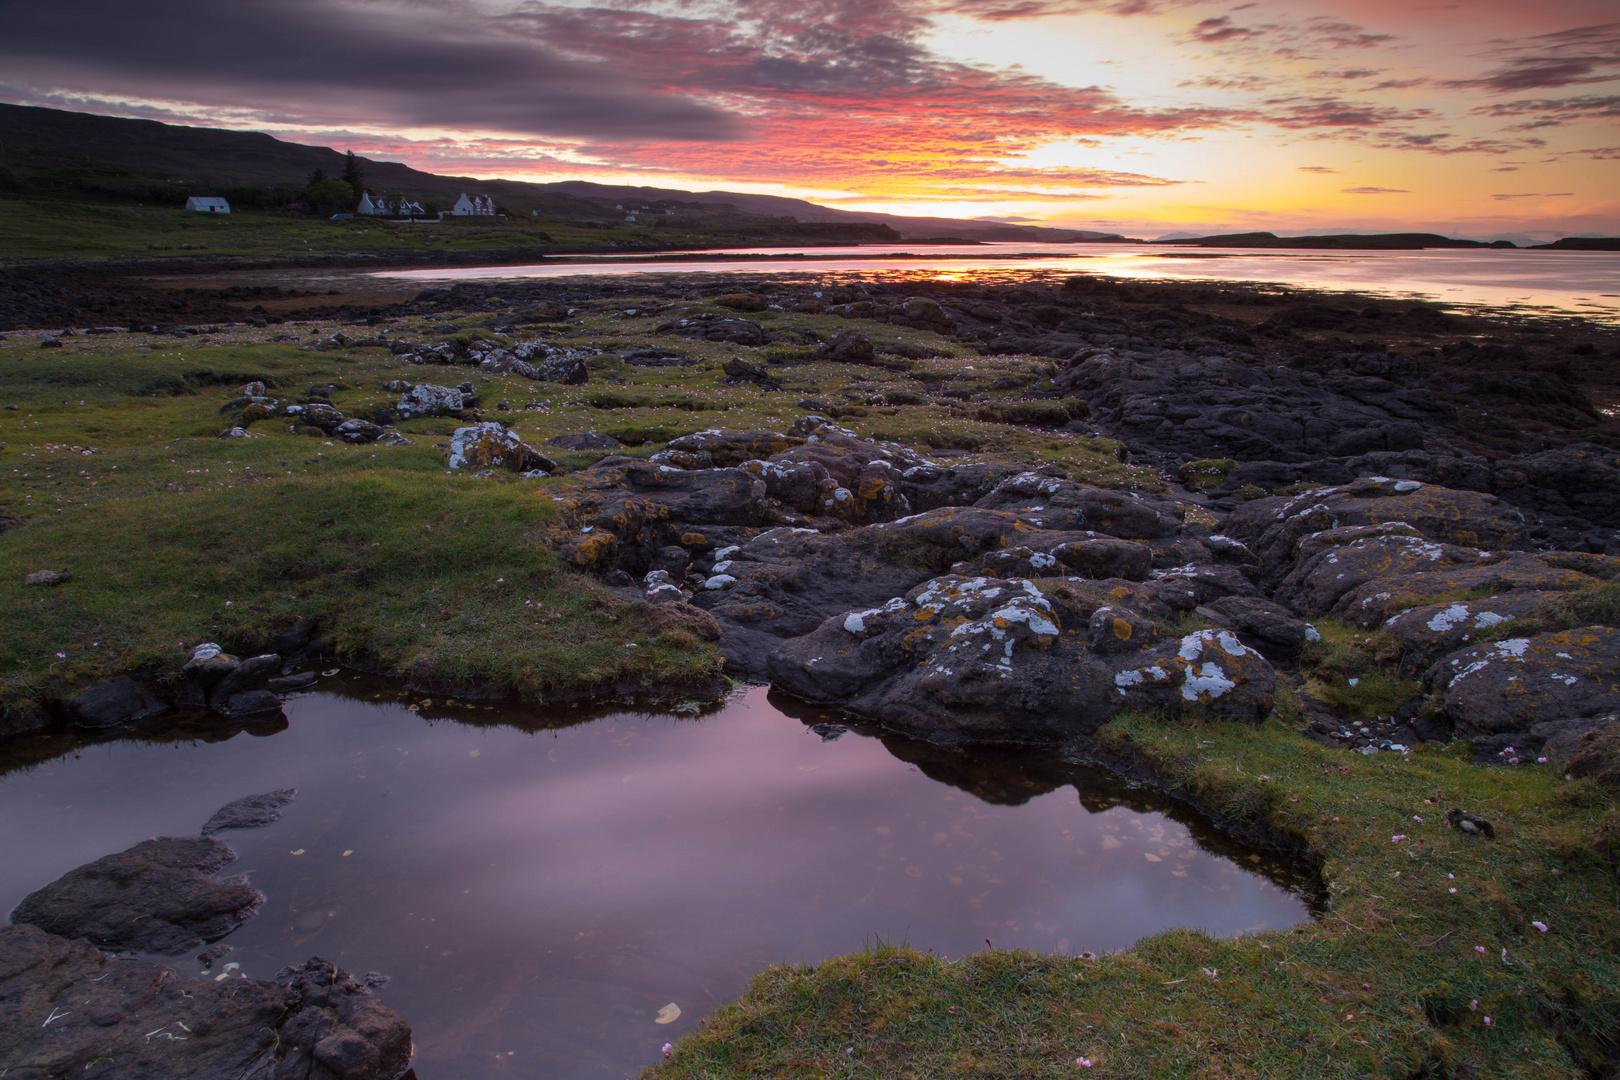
[(726, 449), (1364, 573), (930, 486), (324, 417), (1430, 631), (490, 445), (426, 399), (1511, 685), (155, 897), (785, 582), (1260, 623), (959, 659), (1052, 502), (358, 431), (1106, 557), (1274, 528)]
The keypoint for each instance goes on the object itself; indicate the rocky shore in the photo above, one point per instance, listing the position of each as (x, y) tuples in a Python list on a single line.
[(1383, 524)]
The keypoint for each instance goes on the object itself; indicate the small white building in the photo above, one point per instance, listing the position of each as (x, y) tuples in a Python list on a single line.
[(396, 207), (474, 206), (208, 204)]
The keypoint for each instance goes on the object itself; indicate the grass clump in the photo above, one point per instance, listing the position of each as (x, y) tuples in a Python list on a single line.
[(1355, 671)]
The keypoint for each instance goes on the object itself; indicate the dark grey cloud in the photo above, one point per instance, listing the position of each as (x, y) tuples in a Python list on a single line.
[(1584, 54), (335, 63)]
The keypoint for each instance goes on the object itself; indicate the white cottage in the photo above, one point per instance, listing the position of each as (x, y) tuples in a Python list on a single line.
[(208, 204), (474, 206)]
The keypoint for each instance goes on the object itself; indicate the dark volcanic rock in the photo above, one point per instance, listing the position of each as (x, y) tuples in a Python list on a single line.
[(249, 812), (786, 582), (1510, 686), (155, 897), (959, 659), (585, 440), (71, 1010)]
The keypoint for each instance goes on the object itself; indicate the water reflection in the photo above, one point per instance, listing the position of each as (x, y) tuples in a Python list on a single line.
[(540, 886), (1545, 282)]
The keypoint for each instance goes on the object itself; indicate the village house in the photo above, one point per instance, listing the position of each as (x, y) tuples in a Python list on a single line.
[(474, 206), (208, 204), (396, 207)]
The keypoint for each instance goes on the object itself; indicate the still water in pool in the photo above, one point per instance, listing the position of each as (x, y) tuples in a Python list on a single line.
[(539, 892)]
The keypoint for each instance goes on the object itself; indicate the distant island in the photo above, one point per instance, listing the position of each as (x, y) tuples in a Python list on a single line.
[(1384, 242)]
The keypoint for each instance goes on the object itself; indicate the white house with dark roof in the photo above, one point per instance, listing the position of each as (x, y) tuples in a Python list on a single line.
[(474, 206), (208, 204)]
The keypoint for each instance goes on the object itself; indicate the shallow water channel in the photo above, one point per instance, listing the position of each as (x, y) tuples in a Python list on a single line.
[(539, 887)]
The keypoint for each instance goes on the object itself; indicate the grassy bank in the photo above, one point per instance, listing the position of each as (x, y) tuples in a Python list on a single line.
[(112, 459), (1427, 963)]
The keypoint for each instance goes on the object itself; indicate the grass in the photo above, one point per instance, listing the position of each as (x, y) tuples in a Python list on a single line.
[(1397, 978), (1347, 653), (112, 458)]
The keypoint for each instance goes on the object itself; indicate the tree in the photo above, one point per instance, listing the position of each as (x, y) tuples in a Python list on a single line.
[(354, 176), (331, 197), (316, 177)]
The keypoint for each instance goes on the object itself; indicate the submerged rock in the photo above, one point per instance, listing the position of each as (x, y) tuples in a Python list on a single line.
[(249, 812), (155, 897)]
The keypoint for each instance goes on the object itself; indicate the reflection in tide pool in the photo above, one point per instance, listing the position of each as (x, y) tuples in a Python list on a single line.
[(539, 895)]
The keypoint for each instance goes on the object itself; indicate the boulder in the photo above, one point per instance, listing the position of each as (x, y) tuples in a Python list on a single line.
[(109, 704), (358, 431), (140, 1018), (155, 897), (847, 347), (44, 579), (429, 400), (250, 674), (208, 664), (490, 445), (1511, 685), (324, 417)]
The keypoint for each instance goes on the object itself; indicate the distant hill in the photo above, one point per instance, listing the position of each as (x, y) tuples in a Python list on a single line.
[(198, 155), (1342, 241)]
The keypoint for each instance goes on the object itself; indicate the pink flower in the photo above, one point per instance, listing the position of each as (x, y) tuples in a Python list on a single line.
[(1473, 1006), (1487, 1021), (1539, 925), (1417, 819), (1397, 838), (1480, 949), (1451, 890), (1083, 1062), (669, 1051), (61, 656)]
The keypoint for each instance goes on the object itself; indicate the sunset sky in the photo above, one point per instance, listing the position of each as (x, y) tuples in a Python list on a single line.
[(1479, 118)]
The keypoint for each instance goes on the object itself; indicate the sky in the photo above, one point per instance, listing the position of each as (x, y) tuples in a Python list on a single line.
[(1480, 118)]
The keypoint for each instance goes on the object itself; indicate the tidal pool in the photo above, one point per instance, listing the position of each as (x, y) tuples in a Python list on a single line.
[(540, 886)]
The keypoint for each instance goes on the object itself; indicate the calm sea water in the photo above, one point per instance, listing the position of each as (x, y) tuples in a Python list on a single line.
[(539, 892), (1548, 282)]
